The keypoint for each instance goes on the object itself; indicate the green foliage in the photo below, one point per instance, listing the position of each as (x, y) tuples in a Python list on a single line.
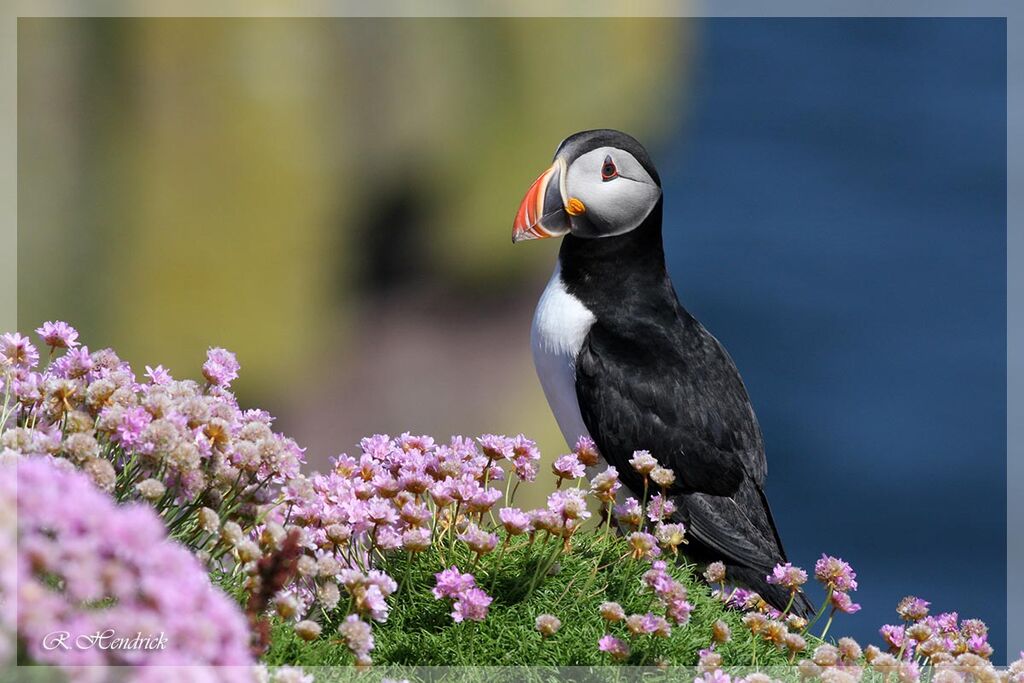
[(420, 630)]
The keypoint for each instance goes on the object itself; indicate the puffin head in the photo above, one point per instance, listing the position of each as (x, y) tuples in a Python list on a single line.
[(602, 183)]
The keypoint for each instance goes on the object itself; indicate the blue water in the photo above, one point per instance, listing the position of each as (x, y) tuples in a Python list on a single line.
[(835, 214)]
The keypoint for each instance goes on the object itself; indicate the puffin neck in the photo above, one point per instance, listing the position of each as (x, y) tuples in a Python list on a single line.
[(636, 259)]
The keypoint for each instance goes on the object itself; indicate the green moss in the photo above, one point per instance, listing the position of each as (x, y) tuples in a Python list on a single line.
[(420, 630)]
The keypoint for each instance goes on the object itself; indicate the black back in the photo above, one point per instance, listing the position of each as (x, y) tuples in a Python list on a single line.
[(649, 376)]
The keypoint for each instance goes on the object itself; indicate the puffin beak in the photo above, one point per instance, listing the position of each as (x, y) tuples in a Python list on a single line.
[(542, 213)]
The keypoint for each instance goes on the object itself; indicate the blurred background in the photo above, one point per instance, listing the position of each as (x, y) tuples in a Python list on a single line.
[(332, 200)]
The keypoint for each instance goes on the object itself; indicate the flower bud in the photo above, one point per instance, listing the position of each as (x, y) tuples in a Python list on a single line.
[(209, 521), (151, 489), (307, 630), (548, 624), (231, 532), (286, 605)]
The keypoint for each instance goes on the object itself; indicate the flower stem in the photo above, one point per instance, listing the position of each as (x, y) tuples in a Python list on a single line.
[(824, 606), (828, 623)]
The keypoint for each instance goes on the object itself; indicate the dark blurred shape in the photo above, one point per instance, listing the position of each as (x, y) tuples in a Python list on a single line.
[(393, 235)]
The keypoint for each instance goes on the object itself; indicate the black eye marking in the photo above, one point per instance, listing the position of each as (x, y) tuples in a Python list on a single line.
[(608, 170)]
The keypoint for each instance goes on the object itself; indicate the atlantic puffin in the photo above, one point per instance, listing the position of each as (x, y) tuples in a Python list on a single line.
[(623, 362)]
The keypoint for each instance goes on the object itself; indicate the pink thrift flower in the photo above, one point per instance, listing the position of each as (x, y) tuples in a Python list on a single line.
[(496, 447), (946, 622), (643, 462), (659, 508), (678, 609), (912, 608), (586, 451), (715, 572), (97, 565), (478, 540), (909, 672), (133, 422), (545, 520), (628, 513), (465, 488), (741, 598), (606, 484), (158, 375), (525, 456), (471, 604), (423, 443), (843, 603), (613, 646), (373, 604), (514, 520), (58, 334), (649, 623), (569, 504), (787, 576), (979, 645), (483, 500), (441, 493), (452, 582), (381, 511), (77, 362), (612, 611), (568, 467), (357, 634), (974, 627), (894, 636), (671, 536), (417, 539), (547, 624), (645, 546), (18, 351), (221, 367), (836, 574)]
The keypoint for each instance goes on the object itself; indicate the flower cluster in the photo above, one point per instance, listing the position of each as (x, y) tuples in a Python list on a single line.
[(403, 496), (958, 650), (87, 567), (470, 601), (671, 600), (839, 580), (934, 639), (186, 448), (338, 547)]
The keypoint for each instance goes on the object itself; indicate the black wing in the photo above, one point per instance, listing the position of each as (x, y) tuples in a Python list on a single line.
[(673, 390)]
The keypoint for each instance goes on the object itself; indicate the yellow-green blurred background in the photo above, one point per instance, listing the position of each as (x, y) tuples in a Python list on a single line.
[(329, 198)]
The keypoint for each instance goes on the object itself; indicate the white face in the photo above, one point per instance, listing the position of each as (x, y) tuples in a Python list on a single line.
[(615, 189)]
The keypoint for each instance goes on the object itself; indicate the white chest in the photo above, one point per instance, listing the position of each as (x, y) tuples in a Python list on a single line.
[(560, 325)]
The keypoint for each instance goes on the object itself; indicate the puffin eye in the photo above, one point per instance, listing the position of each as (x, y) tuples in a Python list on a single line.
[(608, 170)]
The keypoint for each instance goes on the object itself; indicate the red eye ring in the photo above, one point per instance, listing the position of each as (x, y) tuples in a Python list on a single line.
[(608, 170)]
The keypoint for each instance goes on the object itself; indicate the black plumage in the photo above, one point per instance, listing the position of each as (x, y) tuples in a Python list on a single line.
[(649, 376)]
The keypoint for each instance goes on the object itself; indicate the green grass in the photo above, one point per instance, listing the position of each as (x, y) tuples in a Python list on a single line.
[(420, 631)]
